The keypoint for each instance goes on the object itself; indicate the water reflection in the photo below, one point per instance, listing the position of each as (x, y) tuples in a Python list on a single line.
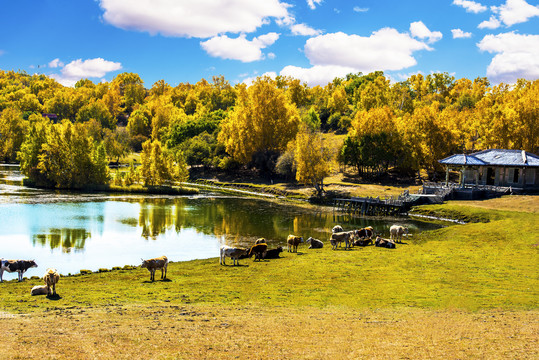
[(65, 239)]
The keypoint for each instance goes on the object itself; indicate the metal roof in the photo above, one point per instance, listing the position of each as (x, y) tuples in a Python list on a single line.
[(494, 157)]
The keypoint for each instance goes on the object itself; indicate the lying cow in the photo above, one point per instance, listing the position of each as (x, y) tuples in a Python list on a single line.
[(387, 243), (315, 243), (233, 253), (273, 253), (338, 238), (40, 290), (155, 264), (362, 242), (258, 251), (396, 232), (19, 266), (51, 277)]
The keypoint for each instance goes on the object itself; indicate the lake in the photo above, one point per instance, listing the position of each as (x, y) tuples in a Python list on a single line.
[(72, 231)]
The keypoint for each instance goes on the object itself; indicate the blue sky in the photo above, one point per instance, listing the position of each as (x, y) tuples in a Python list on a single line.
[(313, 40)]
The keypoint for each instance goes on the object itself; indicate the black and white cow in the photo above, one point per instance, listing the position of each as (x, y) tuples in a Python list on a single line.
[(19, 266)]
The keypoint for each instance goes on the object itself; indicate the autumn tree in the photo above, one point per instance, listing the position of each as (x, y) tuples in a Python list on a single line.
[(12, 130), (312, 158), (160, 166), (263, 120)]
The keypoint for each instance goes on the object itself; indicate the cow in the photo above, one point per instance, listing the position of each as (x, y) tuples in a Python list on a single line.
[(15, 265), (258, 251), (51, 277), (260, 241), (315, 243), (396, 232), (233, 253), (387, 243), (155, 264), (337, 228), (40, 290), (362, 242), (337, 238), (273, 253), (292, 242)]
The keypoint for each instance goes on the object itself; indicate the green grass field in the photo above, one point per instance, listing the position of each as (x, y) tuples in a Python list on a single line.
[(474, 279)]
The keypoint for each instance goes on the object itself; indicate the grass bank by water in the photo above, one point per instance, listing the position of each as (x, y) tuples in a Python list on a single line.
[(464, 291)]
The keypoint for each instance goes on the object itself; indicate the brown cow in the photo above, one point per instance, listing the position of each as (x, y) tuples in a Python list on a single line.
[(292, 243), (155, 264)]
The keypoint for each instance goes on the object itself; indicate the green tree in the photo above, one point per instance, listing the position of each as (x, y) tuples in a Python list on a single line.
[(12, 130)]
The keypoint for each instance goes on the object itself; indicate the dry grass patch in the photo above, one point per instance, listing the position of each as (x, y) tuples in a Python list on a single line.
[(165, 331), (521, 203)]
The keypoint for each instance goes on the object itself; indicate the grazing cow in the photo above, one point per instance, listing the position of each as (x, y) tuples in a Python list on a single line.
[(337, 238), (273, 253), (51, 277), (396, 232), (233, 253), (337, 228), (16, 265), (40, 290), (387, 243), (155, 264), (292, 242), (258, 251), (315, 243), (260, 241)]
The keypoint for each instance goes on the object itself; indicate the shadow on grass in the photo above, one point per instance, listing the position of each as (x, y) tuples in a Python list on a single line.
[(54, 297)]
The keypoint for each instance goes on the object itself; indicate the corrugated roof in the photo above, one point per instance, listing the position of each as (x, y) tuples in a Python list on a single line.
[(495, 157), (462, 159)]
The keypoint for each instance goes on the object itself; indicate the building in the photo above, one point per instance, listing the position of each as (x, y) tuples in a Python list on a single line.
[(517, 169)]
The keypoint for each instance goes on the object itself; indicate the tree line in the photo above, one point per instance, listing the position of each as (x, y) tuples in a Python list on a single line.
[(66, 136)]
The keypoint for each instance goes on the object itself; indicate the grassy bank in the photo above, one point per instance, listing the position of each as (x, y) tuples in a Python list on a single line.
[(464, 291)]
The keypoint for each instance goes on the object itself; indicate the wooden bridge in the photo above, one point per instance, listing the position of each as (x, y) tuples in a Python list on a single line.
[(374, 206)]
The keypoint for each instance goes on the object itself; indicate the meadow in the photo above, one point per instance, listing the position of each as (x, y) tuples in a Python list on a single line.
[(463, 291)]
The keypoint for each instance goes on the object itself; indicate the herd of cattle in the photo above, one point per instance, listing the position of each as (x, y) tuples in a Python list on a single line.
[(361, 237), (259, 250)]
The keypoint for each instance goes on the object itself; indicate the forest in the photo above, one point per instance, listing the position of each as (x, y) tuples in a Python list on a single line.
[(66, 137)]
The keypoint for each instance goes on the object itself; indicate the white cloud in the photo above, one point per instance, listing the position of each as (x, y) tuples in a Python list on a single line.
[(492, 23), (517, 56), (359, 9), (271, 55), (470, 6), (420, 30), (56, 63), (249, 80), (337, 54), (239, 48), (459, 34), (304, 30), (515, 12), (312, 3), (187, 18), (79, 69)]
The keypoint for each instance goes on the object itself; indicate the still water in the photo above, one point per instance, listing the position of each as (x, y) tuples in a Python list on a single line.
[(73, 231)]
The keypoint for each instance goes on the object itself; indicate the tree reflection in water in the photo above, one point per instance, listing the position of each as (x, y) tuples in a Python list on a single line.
[(66, 239)]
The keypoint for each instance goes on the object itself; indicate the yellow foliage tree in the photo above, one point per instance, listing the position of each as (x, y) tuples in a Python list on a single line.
[(313, 159), (263, 120)]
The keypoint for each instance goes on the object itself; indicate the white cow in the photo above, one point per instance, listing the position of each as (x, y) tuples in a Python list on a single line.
[(396, 232)]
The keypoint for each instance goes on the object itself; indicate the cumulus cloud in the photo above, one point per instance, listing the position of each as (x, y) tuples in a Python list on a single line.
[(187, 18), (79, 69), (304, 30), (492, 23), (56, 63), (337, 54), (517, 56), (515, 12), (312, 3), (470, 6), (459, 34), (239, 48), (420, 30), (249, 80)]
